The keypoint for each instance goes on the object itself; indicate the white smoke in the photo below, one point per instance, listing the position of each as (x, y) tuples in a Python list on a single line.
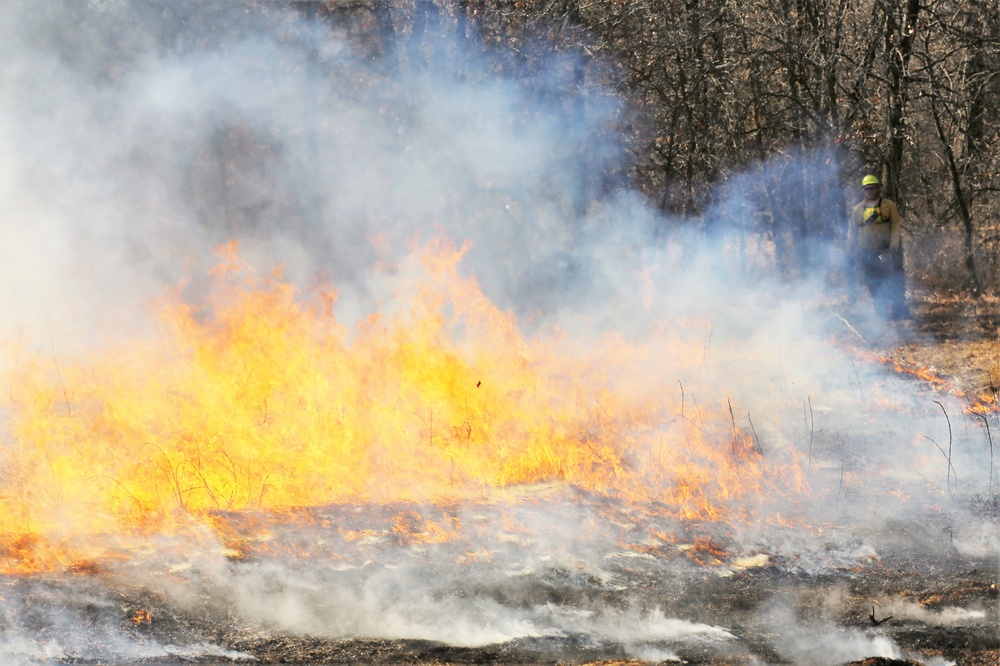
[(134, 138), (44, 622), (821, 642), (948, 616)]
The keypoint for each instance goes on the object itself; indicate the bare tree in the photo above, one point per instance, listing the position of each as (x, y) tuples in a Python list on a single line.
[(960, 57)]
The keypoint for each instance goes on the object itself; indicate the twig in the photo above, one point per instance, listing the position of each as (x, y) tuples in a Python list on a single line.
[(851, 329), (682, 398), (136, 501), (812, 430), (878, 622), (989, 438), (62, 385), (586, 441), (171, 472), (263, 487), (931, 484), (857, 378), (840, 486), (946, 457), (733, 420), (951, 468), (760, 450)]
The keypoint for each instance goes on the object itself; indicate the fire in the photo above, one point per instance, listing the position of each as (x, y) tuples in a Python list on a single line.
[(411, 527), (984, 403), (705, 551), (260, 400), (140, 617)]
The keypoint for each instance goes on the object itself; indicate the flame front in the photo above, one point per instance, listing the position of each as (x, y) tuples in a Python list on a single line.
[(261, 400), (984, 403)]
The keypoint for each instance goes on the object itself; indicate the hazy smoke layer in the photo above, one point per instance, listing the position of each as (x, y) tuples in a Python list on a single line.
[(137, 136)]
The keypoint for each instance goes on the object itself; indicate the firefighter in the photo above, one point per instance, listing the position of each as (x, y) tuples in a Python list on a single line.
[(875, 249)]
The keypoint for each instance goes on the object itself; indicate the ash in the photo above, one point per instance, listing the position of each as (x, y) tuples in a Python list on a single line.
[(553, 576)]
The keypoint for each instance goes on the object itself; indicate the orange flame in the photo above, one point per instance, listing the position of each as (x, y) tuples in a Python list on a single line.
[(141, 617), (984, 403), (261, 400)]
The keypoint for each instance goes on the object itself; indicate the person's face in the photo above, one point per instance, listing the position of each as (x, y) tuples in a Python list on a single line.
[(871, 192)]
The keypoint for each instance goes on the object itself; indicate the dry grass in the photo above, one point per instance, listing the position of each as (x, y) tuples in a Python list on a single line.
[(957, 337)]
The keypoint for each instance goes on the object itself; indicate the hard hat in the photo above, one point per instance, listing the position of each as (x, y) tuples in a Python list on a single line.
[(869, 180)]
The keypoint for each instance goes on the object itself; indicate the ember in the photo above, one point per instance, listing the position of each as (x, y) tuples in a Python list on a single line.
[(141, 617)]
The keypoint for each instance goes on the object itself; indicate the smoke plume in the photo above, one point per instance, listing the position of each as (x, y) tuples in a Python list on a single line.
[(136, 138)]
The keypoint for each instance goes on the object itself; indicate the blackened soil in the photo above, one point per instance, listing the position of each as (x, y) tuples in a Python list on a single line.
[(935, 610)]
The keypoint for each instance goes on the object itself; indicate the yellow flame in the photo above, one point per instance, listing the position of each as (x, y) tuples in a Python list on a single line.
[(260, 399)]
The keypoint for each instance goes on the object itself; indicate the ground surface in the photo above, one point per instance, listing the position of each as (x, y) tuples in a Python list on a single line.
[(957, 337), (951, 342), (938, 605), (776, 613)]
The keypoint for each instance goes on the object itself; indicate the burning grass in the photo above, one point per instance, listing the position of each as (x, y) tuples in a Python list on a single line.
[(259, 478), (260, 400)]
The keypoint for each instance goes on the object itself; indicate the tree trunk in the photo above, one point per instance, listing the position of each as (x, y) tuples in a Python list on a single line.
[(899, 48)]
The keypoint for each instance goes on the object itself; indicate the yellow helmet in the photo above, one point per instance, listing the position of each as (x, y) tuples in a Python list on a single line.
[(870, 180)]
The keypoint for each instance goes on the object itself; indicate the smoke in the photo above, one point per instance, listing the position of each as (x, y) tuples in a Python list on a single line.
[(949, 616), (136, 137), (533, 594), (45, 621), (822, 642)]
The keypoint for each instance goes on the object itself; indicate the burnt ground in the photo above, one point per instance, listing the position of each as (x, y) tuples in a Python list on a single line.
[(739, 600), (835, 596), (957, 337), (838, 600)]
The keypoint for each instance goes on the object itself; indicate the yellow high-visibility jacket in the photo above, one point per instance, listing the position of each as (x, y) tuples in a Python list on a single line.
[(875, 226)]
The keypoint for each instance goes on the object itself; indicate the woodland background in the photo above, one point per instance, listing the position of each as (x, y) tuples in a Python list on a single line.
[(712, 89), (909, 90)]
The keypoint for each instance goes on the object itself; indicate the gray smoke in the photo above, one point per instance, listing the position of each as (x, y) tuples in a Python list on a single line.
[(136, 137)]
